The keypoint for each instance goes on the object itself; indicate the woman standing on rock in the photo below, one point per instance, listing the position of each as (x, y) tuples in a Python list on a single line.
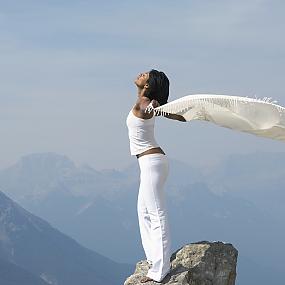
[(153, 90)]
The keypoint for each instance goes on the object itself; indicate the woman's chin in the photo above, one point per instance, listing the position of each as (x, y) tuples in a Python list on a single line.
[(137, 84)]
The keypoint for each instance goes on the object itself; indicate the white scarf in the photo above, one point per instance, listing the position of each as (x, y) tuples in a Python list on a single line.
[(261, 117)]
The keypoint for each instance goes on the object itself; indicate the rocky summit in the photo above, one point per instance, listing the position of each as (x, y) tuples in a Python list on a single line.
[(199, 263)]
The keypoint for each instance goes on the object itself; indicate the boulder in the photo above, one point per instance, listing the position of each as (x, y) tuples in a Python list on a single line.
[(198, 263)]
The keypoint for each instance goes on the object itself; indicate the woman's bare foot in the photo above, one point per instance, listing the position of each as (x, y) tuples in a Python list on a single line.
[(146, 279)]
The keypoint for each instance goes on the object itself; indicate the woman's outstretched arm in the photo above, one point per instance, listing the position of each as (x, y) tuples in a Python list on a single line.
[(174, 117), (180, 118)]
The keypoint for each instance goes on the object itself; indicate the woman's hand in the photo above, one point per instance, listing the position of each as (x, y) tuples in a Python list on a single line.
[(153, 104)]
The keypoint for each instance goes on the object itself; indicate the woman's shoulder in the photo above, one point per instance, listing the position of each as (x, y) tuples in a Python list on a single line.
[(141, 104), (140, 108)]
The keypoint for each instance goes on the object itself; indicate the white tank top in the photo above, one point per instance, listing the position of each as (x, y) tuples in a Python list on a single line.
[(141, 133)]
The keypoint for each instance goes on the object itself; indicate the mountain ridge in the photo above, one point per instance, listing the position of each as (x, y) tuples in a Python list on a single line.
[(33, 244)]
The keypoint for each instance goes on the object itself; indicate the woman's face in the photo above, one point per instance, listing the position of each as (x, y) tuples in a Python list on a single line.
[(141, 80)]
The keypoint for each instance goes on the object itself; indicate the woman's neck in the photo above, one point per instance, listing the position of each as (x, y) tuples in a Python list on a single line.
[(140, 92)]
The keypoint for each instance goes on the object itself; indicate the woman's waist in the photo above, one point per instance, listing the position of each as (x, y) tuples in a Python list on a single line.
[(154, 151)]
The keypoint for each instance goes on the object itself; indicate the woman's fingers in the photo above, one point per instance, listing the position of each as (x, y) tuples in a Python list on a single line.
[(155, 103), (149, 108)]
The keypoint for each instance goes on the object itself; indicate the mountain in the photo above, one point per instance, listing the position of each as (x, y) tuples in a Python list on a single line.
[(12, 274), (91, 206), (257, 177), (33, 244), (83, 202), (37, 175)]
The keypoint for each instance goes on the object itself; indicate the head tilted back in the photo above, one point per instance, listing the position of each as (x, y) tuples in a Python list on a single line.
[(158, 86)]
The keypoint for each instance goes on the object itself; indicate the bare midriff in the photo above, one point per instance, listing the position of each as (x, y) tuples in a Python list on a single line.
[(149, 151)]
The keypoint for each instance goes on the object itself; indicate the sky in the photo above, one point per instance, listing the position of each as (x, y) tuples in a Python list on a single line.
[(68, 67)]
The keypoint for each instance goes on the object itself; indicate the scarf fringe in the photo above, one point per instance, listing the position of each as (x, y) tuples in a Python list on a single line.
[(190, 101)]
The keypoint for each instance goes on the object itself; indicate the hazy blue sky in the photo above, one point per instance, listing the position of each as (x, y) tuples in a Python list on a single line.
[(67, 71)]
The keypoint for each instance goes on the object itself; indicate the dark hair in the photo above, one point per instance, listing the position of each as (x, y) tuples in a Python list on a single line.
[(158, 87)]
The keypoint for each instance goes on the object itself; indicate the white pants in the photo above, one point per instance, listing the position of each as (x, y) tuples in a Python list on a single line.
[(152, 214)]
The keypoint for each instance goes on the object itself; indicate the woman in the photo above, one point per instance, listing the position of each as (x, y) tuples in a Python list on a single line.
[(153, 90)]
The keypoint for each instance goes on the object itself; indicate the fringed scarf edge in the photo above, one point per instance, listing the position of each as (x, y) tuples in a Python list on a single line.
[(187, 102)]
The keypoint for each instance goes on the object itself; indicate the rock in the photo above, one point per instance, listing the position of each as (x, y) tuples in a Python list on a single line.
[(200, 263)]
